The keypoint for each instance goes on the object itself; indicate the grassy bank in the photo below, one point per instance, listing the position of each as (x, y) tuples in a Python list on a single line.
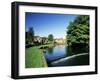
[(34, 58), (45, 46)]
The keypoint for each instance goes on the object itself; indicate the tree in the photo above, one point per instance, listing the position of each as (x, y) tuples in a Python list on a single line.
[(30, 36), (50, 37), (26, 36), (78, 31)]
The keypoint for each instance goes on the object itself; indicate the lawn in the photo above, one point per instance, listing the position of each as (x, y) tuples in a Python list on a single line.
[(34, 58), (45, 46)]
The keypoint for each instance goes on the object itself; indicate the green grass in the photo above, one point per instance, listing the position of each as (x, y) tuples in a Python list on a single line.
[(46, 45), (34, 58)]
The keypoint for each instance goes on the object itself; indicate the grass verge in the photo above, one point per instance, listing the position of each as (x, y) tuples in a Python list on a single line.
[(34, 58)]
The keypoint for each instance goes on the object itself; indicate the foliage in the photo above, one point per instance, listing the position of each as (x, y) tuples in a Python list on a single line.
[(78, 30), (50, 37), (30, 36)]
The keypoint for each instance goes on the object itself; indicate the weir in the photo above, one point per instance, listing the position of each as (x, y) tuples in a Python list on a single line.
[(67, 58)]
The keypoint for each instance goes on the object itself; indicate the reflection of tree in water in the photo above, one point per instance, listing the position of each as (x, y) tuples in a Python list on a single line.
[(76, 50), (50, 50)]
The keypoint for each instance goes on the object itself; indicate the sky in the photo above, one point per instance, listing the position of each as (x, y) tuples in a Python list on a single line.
[(46, 23)]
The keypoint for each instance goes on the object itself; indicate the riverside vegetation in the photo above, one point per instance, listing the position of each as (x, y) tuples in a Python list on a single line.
[(77, 37)]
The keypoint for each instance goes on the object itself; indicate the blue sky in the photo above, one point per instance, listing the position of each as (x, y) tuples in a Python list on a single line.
[(47, 23)]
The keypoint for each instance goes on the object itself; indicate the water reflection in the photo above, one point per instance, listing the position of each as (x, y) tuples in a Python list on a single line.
[(50, 50), (55, 53), (75, 50), (61, 51)]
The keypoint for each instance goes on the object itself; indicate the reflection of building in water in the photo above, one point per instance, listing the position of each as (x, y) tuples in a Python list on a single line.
[(59, 40)]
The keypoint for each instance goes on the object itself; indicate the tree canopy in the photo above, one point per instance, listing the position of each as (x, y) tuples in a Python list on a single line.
[(30, 36), (78, 30), (50, 37)]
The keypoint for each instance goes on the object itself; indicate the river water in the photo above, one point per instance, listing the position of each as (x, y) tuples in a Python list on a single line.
[(58, 52)]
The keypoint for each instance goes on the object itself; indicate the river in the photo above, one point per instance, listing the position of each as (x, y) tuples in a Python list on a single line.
[(62, 55)]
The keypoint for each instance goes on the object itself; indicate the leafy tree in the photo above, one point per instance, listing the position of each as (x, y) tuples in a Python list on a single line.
[(78, 31), (30, 36), (50, 37), (26, 36)]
